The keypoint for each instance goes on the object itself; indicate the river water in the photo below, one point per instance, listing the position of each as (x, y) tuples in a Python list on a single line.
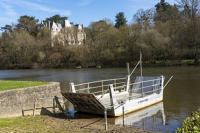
[(181, 96)]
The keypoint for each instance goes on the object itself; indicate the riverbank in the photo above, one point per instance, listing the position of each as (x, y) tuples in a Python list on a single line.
[(185, 62), (43, 124)]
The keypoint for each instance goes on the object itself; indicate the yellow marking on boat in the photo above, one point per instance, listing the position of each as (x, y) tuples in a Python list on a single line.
[(138, 109)]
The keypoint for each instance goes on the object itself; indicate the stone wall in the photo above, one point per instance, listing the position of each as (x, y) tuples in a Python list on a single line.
[(12, 102)]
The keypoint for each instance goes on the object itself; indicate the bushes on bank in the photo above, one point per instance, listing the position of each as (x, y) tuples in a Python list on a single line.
[(191, 124)]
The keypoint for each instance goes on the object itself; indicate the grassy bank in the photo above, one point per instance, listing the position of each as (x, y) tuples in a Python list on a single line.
[(10, 84), (50, 124), (171, 62)]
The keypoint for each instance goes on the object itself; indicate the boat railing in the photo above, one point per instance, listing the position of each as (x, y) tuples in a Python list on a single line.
[(145, 81), (137, 89), (100, 87), (146, 87)]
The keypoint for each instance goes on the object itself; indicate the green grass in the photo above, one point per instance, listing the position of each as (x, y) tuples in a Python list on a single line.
[(8, 122), (159, 62), (22, 124), (189, 61), (48, 124), (10, 84)]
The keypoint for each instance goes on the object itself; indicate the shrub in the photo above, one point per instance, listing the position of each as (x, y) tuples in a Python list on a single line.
[(191, 124)]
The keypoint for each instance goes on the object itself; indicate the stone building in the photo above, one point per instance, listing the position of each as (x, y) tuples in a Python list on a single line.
[(66, 33)]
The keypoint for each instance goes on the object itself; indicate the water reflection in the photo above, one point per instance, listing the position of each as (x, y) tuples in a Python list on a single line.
[(142, 118)]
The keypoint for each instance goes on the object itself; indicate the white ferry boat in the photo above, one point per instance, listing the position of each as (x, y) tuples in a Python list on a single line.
[(117, 96)]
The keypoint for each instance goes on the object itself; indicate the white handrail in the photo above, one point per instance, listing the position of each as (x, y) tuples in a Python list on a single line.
[(98, 81), (122, 85), (144, 81)]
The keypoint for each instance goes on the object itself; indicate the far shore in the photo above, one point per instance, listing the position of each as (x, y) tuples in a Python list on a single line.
[(157, 63)]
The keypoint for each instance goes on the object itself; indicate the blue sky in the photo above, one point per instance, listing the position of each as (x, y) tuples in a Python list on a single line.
[(78, 11)]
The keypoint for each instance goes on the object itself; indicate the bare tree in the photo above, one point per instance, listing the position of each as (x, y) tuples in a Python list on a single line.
[(190, 8), (144, 17)]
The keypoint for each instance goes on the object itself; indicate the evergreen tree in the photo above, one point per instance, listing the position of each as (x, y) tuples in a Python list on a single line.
[(163, 11), (29, 24), (7, 28), (57, 19), (120, 20)]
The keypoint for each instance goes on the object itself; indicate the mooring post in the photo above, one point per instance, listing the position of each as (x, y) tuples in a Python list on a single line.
[(22, 112), (123, 115), (105, 120), (34, 108), (54, 105)]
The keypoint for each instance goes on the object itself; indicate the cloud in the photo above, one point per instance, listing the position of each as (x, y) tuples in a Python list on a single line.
[(8, 14), (36, 7), (85, 3), (8, 9)]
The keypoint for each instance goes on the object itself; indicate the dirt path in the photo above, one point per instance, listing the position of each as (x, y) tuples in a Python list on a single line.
[(44, 124)]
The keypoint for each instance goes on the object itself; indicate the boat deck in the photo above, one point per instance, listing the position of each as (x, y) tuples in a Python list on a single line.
[(121, 98)]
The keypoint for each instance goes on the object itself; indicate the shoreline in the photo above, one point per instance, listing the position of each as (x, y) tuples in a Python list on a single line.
[(61, 124), (167, 63)]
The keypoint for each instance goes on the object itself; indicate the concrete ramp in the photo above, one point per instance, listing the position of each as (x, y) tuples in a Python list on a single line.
[(85, 102)]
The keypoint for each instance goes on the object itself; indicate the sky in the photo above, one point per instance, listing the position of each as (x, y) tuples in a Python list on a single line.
[(78, 11)]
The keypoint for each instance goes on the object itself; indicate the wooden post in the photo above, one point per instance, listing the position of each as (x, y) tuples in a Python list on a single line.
[(123, 115), (22, 112), (105, 120), (54, 106), (34, 108)]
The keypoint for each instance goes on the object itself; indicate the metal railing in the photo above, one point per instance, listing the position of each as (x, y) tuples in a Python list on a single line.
[(100, 87)]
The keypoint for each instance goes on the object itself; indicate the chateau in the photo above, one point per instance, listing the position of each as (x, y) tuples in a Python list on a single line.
[(66, 33)]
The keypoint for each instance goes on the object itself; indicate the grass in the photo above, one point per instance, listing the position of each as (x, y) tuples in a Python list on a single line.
[(159, 62), (189, 61), (11, 84), (24, 124), (8, 122), (48, 124)]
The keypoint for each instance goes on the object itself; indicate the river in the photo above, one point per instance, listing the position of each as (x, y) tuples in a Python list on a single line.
[(181, 96)]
